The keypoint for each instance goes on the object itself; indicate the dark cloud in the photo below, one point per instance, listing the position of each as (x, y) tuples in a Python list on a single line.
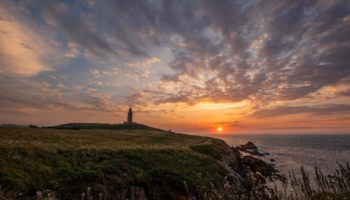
[(19, 102), (227, 123), (11, 100), (345, 93), (288, 110), (96, 103), (138, 99), (170, 78), (27, 47), (76, 28)]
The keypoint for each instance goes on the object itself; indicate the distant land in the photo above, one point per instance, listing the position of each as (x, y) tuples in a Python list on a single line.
[(11, 125), (127, 126)]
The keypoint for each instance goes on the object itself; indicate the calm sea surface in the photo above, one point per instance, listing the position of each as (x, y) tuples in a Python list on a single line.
[(292, 151)]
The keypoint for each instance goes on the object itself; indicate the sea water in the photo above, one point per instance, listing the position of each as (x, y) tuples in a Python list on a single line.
[(292, 151)]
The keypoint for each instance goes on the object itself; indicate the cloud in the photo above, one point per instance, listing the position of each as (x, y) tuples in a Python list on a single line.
[(61, 86), (21, 102), (268, 52), (135, 73), (73, 50), (288, 110), (77, 87), (136, 99), (21, 48), (145, 63), (76, 28), (27, 102), (220, 51), (95, 73), (345, 93), (99, 104), (227, 123), (260, 52)]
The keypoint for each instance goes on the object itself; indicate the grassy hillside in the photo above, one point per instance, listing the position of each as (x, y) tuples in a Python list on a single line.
[(78, 126), (68, 161)]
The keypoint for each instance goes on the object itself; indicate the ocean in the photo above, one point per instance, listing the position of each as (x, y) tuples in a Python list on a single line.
[(292, 151)]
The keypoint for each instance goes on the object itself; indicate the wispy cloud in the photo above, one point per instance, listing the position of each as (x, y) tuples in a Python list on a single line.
[(288, 110), (19, 54), (57, 14)]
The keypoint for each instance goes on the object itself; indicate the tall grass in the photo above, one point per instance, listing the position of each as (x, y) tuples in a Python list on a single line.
[(335, 187)]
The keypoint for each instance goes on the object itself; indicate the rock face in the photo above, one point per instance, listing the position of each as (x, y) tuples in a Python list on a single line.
[(257, 165), (256, 153), (249, 166), (249, 145), (231, 158), (251, 149)]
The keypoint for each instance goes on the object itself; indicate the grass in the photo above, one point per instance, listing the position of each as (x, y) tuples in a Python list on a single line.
[(63, 163), (66, 162), (99, 139)]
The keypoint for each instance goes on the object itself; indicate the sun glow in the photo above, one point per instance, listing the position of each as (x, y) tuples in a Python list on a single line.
[(219, 128)]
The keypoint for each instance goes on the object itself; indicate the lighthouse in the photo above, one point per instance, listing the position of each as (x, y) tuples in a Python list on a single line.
[(129, 120)]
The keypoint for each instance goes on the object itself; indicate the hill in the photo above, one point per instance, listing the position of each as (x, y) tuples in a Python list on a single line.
[(132, 126), (116, 161)]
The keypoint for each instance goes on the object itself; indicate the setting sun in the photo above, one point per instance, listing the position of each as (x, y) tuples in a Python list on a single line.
[(219, 128)]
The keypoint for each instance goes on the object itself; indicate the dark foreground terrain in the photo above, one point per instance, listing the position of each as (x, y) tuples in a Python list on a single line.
[(112, 162), (135, 162)]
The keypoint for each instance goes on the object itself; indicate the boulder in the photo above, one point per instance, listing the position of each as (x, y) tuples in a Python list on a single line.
[(249, 145), (251, 149), (256, 153)]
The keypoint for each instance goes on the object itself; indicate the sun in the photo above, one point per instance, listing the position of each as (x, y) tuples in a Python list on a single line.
[(219, 128)]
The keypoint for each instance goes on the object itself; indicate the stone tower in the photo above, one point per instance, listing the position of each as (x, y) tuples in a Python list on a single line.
[(129, 116)]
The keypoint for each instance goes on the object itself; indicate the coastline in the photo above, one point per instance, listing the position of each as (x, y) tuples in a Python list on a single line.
[(146, 164), (112, 162)]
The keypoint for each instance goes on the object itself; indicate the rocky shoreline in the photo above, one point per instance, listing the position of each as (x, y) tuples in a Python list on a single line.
[(248, 166), (162, 166), (251, 149)]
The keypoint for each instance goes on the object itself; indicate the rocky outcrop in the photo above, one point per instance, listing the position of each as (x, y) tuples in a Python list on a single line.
[(251, 149), (249, 166), (230, 158), (257, 165), (257, 153), (249, 145)]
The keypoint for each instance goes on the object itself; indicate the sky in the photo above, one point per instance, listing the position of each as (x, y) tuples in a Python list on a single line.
[(192, 66)]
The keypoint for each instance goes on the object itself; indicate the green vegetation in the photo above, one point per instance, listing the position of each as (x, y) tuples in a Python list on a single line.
[(63, 163), (66, 162)]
